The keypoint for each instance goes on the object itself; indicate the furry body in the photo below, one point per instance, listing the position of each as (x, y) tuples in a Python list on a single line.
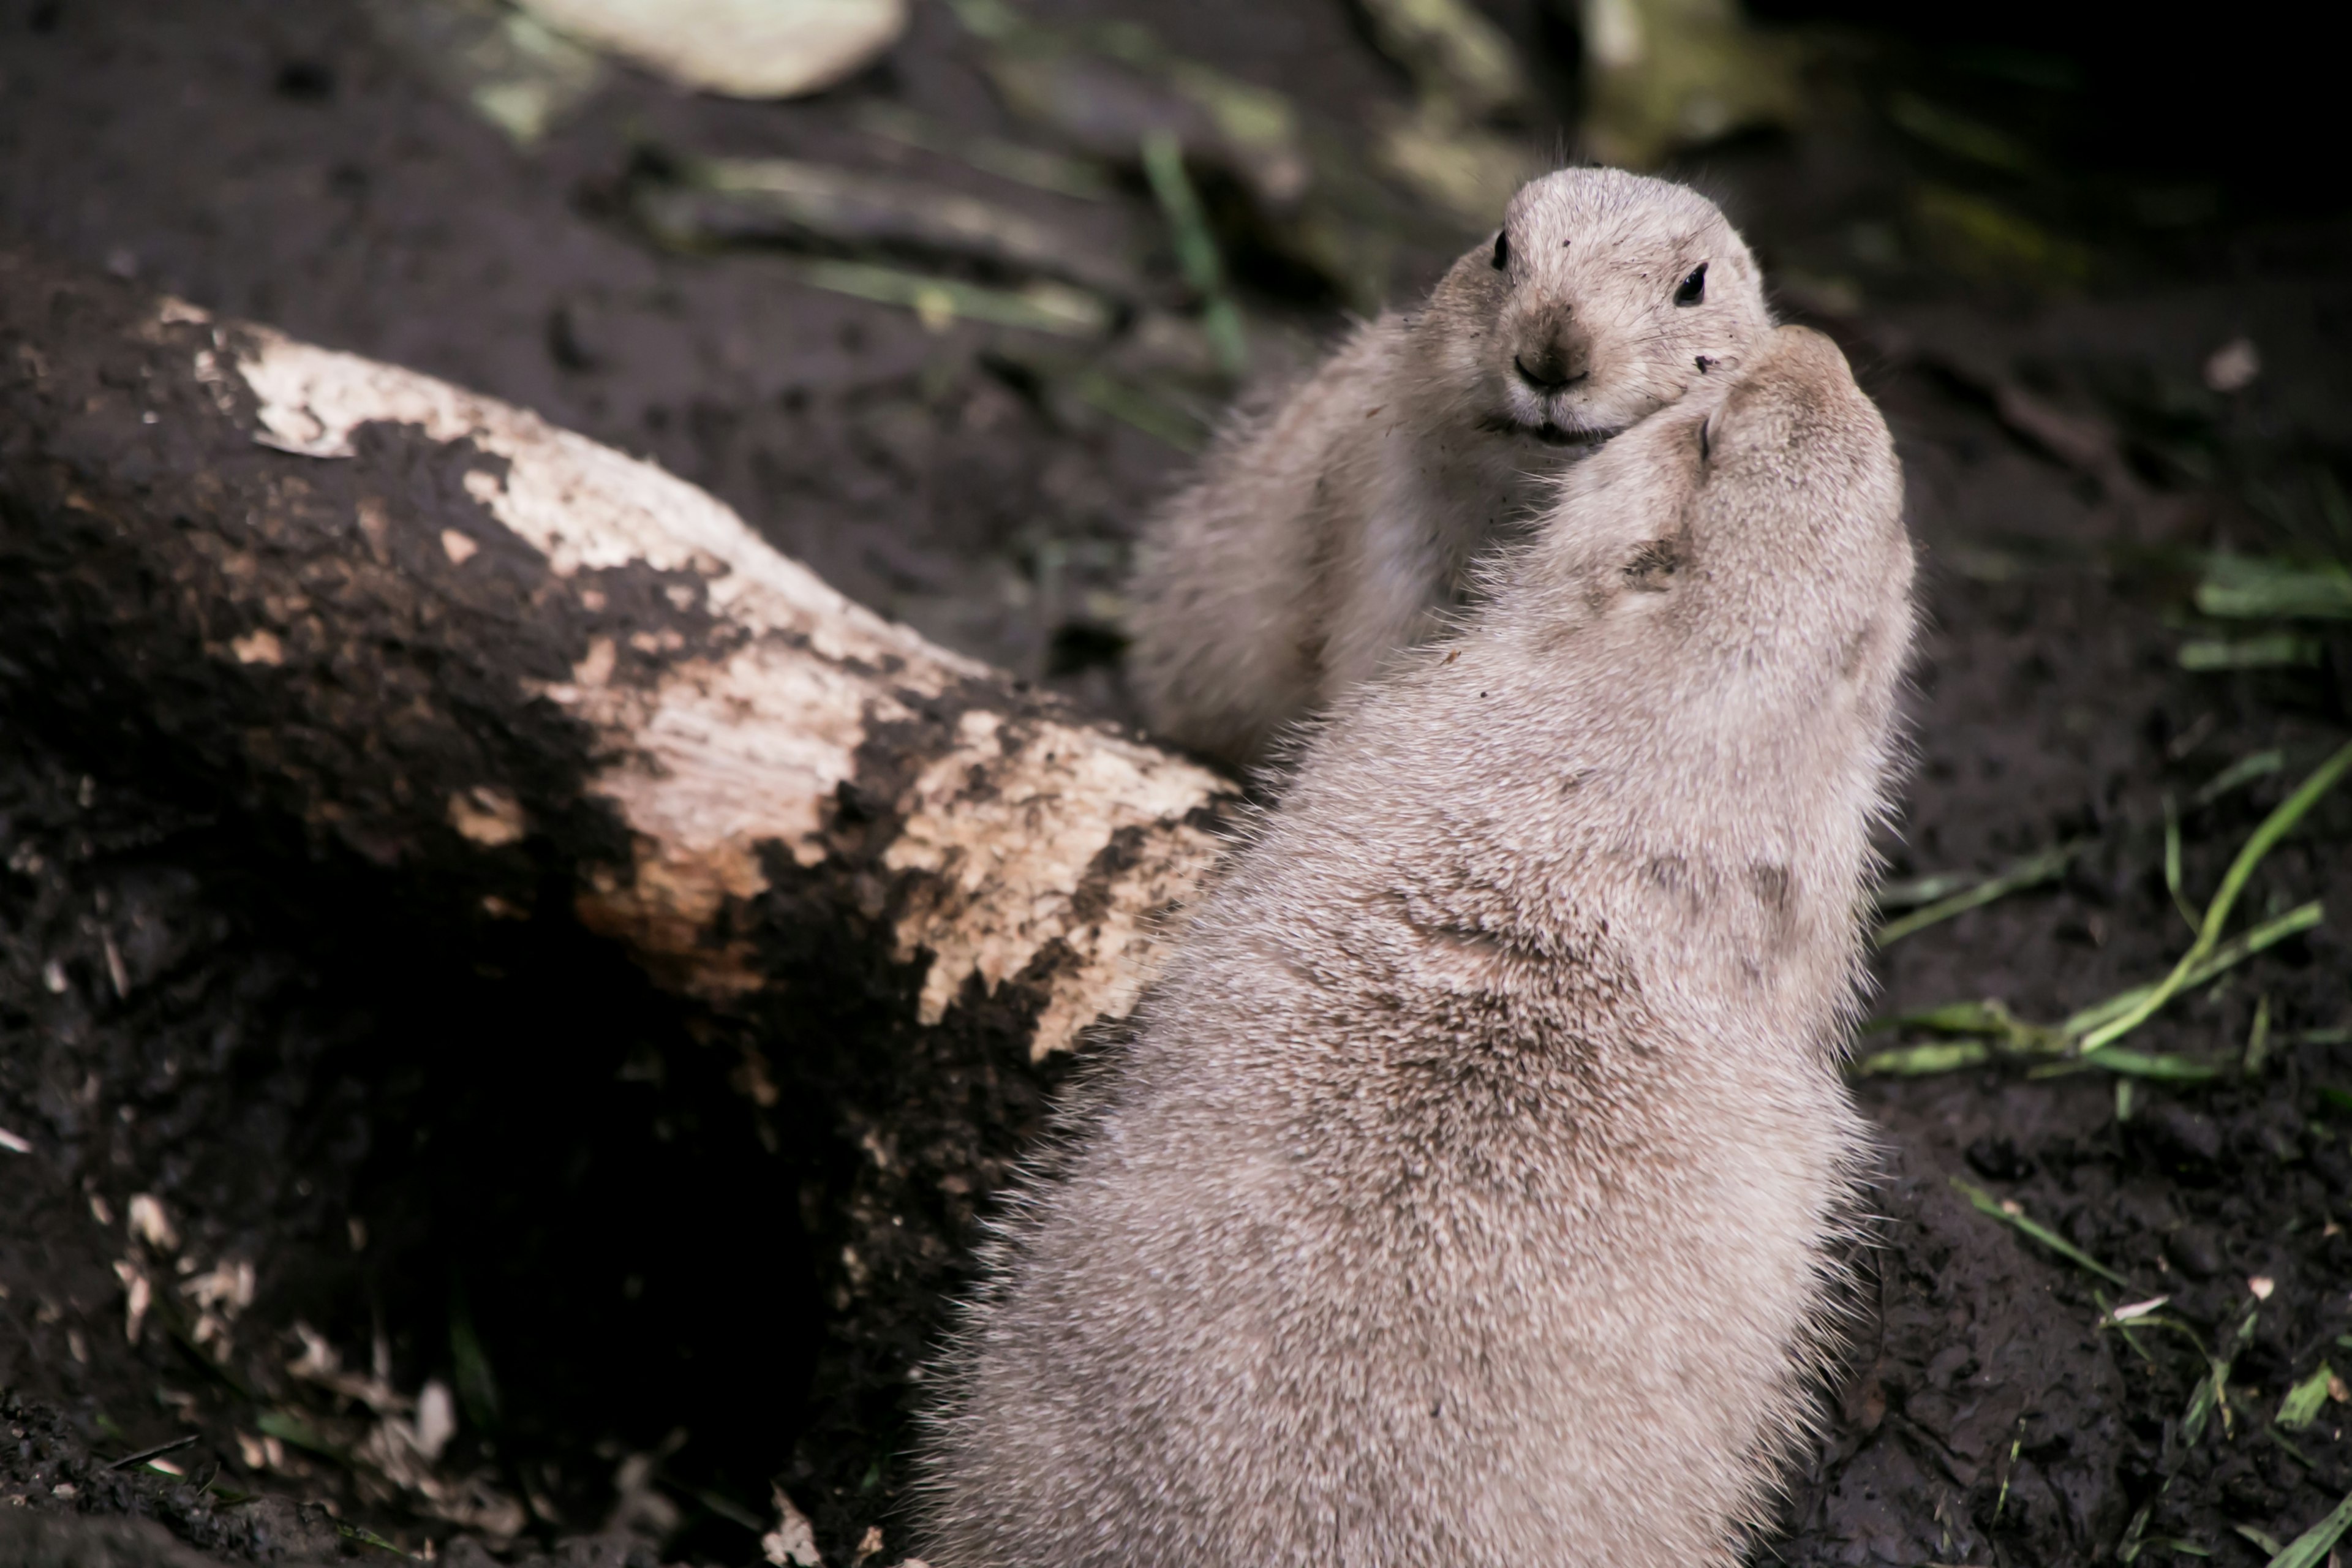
[(1341, 527), (1466, 1196)]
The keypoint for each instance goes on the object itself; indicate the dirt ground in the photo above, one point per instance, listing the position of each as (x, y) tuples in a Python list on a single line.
[(374, 1161)]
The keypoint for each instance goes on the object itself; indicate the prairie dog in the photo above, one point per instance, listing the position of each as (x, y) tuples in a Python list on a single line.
[(1322, 538), (1466, 1196)]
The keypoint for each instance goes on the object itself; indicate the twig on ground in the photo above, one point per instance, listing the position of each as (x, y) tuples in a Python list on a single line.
[(158, 1451)]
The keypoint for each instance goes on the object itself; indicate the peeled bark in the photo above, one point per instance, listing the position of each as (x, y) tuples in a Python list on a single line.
[(505, 663)]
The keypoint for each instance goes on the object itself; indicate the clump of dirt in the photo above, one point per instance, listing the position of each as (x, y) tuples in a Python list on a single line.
[(299, 1167)]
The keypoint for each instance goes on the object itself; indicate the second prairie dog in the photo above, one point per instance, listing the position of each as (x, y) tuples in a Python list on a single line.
[(1323, 537), (1470, 1191)]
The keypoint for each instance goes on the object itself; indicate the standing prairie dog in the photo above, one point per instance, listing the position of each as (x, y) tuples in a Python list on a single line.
[(1469, 1193), (1322, 538)]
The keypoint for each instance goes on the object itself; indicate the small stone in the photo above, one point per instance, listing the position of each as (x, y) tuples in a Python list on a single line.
[(2233, 366)]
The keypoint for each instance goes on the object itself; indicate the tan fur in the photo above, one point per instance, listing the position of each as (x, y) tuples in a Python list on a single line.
[(1466, 1196), (1340, 529)]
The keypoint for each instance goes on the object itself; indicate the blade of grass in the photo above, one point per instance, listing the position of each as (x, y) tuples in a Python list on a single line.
[(2133, 1064), (2155, 1319), (2007, 1475), (2258, 1039), (1986, 1204), (2212, 1391), (1196, 249), (2242, 587), (2227, 956), (1131, 406), (2312, 1547), (2008, 1034), (2126, 1320), (2033, 872), (2303, 1402), (2274, 826), (1042, 307), (1033, 166), (1986, 1017), (2172, 863), (2290, 1450), (1913, 892), (2280, 650), (367, 1537), (2245, 770), (288, 1428), (1919, 1061)]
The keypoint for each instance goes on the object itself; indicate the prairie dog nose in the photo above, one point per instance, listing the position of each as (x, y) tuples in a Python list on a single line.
[(1554, 360)]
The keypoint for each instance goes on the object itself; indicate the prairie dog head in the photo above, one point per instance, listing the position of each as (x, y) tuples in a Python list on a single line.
[(1603, 296)]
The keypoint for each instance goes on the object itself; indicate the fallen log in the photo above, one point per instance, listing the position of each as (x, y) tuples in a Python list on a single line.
[(493, 657)]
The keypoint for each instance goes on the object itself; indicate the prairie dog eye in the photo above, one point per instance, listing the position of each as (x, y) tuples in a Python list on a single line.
[(1694, 287), (1502, 250)]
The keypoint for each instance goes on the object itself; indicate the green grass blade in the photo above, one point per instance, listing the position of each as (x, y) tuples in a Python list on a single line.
[(2239, 587), (1042, 307), (2303, 1402), (2292, 1452), (2134, 1064), (2227, 956), (1913, 892), (2274, 826), (1960, 1018), (1921, 1061), (1995, 1029), (289, 1428), (1196, 249), (2031, 871), (2172, 862), (2280, 650), (2245, 770), (1986, 1204), (2312, 1547)]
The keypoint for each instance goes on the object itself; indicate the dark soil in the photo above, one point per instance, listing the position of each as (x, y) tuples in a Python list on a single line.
[(630, 1251)]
